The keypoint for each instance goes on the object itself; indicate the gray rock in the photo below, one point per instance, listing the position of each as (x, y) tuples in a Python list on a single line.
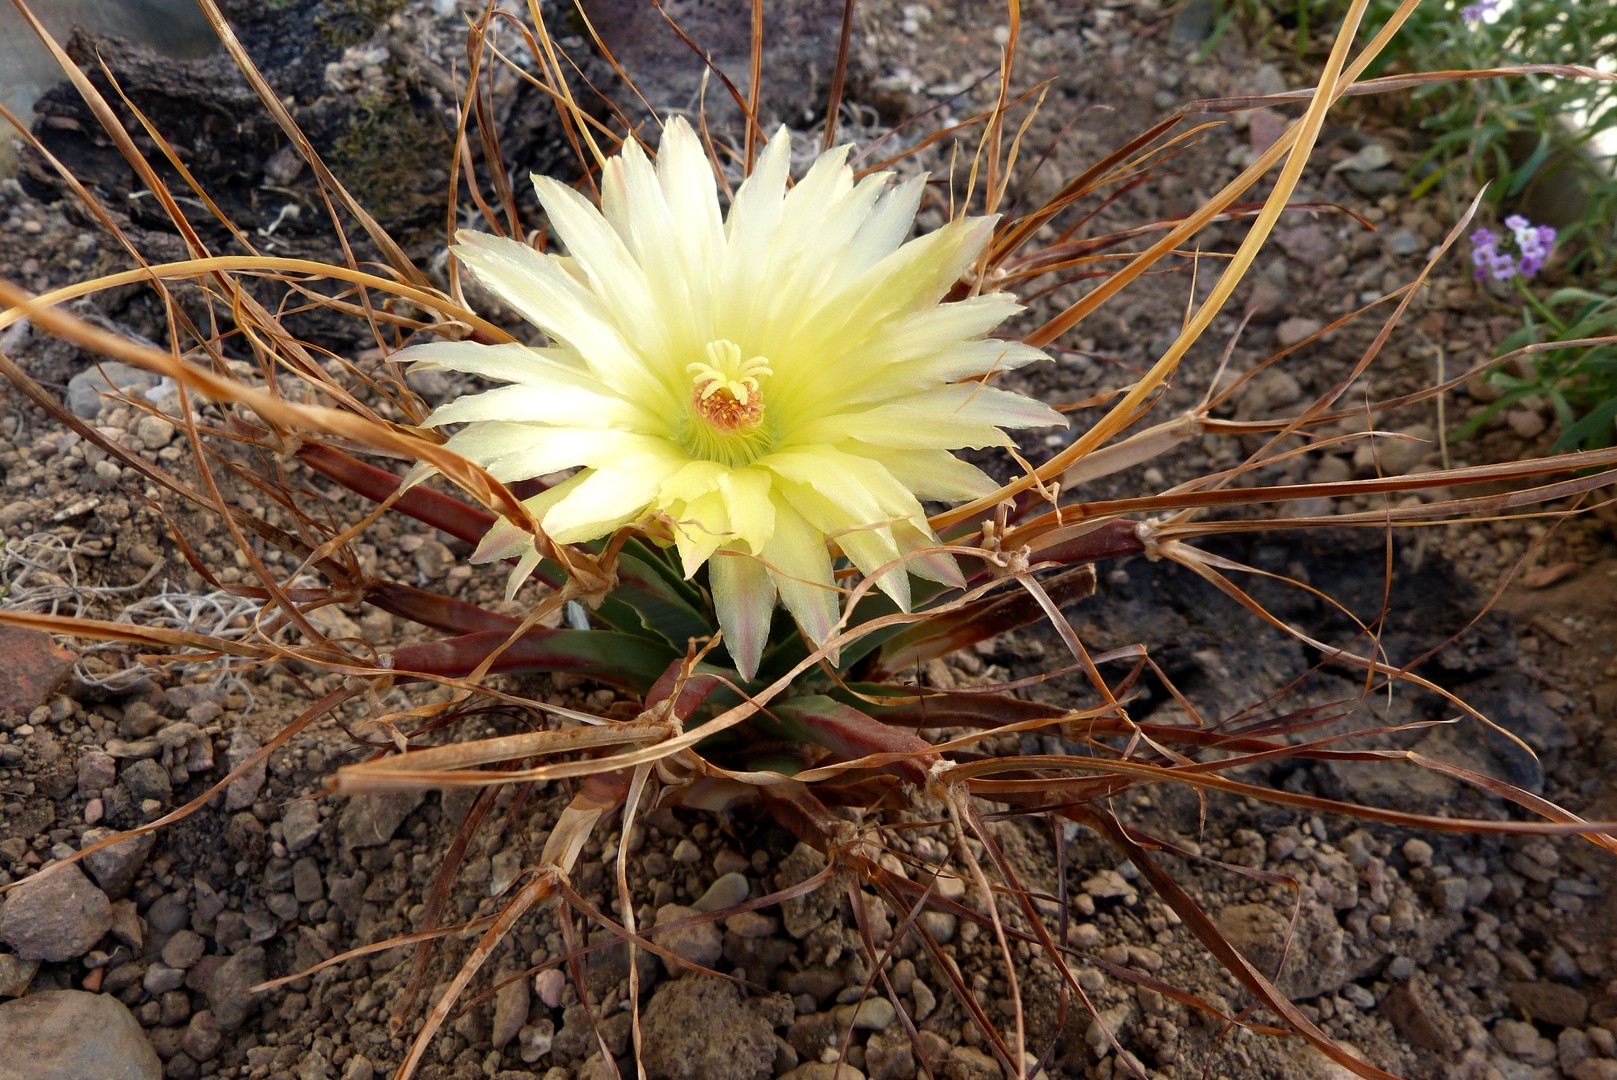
[(510, 1009), (799, 52), (1297, 329), (71, 1035), (58, 917), (84, 390), (146, 779), (371, 820), (698, 1029), (300, 824), (700, 943), (116, 866), (184, 949), (245, 788), (802, 915), (168, 913), (1403, 242), (227, 994), (202, 1038), (728, 891), (160, 979), (889, 1056), (97, 772), (871, 1014), (306, 883)]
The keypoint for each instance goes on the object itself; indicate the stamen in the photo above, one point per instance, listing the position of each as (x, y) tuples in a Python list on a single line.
[(727, 421), (726, 372)]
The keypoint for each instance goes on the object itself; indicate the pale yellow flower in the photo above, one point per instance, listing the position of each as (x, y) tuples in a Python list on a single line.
[(762, 383)]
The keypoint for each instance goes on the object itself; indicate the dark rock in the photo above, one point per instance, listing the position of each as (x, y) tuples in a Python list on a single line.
[(168, 913), (227, 994), (800, 50), (184, 949), (1549, 1002), (1419, 1017), (245, 837), (202, 1038), (146, 779)]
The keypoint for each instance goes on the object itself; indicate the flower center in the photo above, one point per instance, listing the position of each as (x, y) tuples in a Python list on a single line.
[(727, 422)]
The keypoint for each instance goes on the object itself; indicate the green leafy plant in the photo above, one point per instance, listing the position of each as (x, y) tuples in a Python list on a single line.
[(1522, 118), (1569, 339)]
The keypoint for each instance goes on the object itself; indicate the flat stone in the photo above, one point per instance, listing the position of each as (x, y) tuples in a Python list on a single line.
[(1549, 1002), (35, 667), (1107, 885), (871, 1014), (307, 885), (72, 1035), (58, 917)]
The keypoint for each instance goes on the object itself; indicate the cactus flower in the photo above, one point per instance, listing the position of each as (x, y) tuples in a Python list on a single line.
[(776, 388)]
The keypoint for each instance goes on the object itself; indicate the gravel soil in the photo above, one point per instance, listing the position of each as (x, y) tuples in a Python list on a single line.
[(1429, 953)]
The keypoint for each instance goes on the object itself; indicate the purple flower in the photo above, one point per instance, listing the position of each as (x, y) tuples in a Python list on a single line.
[(1474, 13), (1532, 244)]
